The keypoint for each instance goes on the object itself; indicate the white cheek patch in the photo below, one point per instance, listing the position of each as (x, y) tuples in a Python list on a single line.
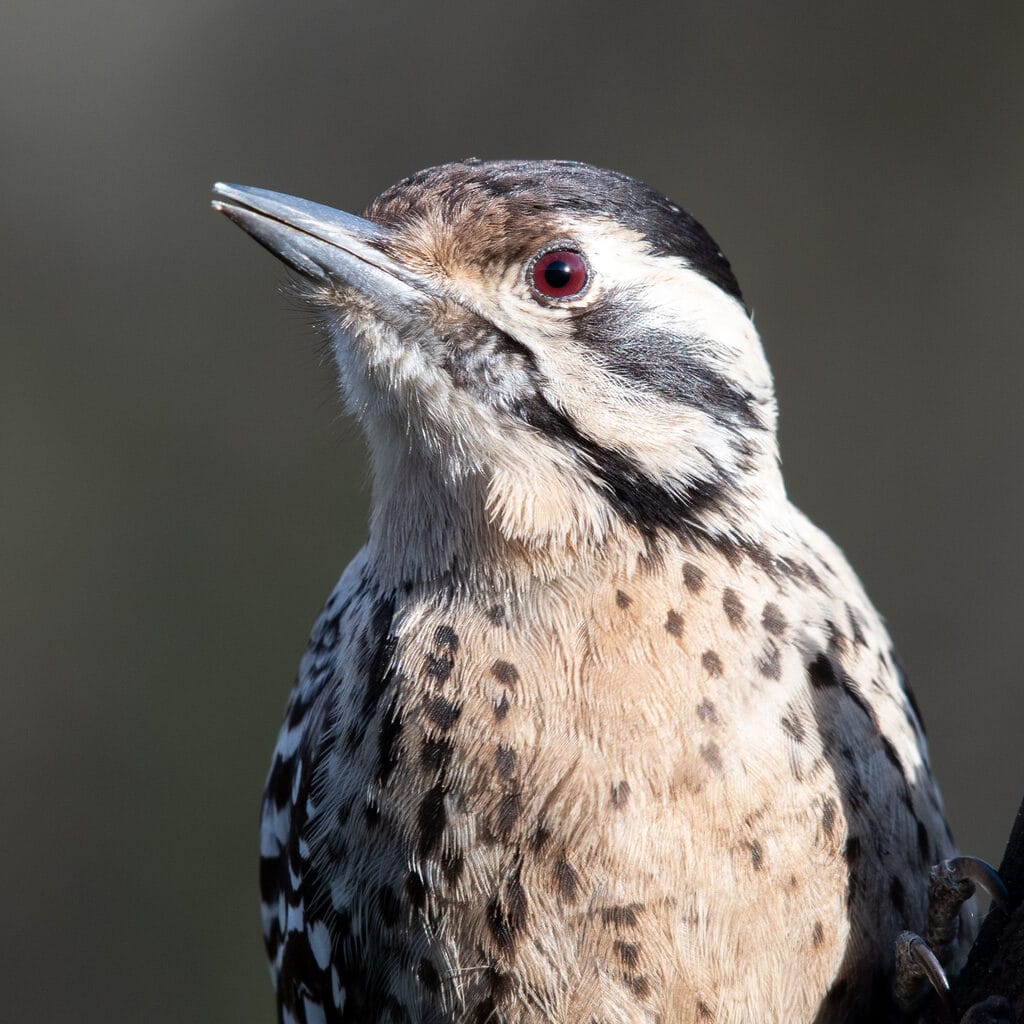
[(538, 495), (669, 443)]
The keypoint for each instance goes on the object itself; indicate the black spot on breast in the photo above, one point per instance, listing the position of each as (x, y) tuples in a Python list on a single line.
[(732, 606), (793, 727), (828, 816), (501, 707), (706, 712), (711, 756), (855, 627), (428, 977), (733, 552), (693, 577), (674, 623), (756, 854), (509, 809), (821, 672), (506, 673), (770, 663), (808, 575), (435, 753), (704, 1011), (628, 953), (638, 985), (762, 558), (498, 984), (496, 614), (712, 663), (416, 890), (622, 599), (540, 837), (567, 880), (447, 638), (817, 934), (439, 666), (442, 712), (452, 865), (773, 620), (506, 917), (431, 820), (485, 1011), (505, 761), (623, 915), (620, 793), (836, 638)]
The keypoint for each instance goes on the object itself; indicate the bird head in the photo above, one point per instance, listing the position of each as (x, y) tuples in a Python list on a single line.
[(543, 354)]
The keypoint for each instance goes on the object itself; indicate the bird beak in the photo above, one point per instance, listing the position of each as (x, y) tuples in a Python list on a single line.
[(325, 245)]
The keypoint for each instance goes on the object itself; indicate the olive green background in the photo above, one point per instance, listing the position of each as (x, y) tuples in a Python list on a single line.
[(178, 489)]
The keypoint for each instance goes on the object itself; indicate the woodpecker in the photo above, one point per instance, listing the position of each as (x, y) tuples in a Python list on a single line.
[(596, 727)]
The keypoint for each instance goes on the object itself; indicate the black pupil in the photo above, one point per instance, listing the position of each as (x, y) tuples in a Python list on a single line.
[(558, 273)]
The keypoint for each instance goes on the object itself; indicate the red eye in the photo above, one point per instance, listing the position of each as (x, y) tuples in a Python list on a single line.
[(560, 274)]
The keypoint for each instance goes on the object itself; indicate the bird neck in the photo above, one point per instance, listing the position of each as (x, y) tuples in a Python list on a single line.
[(493, 529)]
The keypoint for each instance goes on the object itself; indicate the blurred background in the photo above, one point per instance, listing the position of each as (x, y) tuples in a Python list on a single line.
[(178, 490)]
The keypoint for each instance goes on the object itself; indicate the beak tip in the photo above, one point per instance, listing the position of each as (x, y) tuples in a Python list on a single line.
[(320, 243)]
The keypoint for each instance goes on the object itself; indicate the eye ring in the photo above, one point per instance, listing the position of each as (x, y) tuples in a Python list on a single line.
[(558, 272)]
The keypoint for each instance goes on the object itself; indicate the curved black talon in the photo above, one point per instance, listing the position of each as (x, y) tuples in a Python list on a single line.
[(915, 963), (982, 874)]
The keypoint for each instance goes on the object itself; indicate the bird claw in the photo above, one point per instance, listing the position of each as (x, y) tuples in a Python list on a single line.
[(951, 883), (982, 874), (919, 960), (916, 963)]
